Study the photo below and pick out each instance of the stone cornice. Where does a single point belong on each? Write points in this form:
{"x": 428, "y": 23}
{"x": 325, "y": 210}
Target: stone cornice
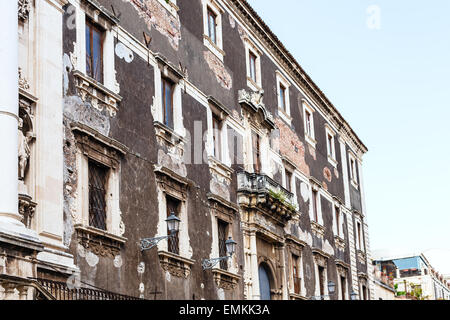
{"x": 258, "y": 26}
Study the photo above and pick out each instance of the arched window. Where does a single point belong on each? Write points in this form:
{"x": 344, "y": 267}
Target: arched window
{"x": 264, "y": 282}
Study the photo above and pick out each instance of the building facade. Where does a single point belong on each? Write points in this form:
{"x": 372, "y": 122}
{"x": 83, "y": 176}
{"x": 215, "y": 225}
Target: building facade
{"x": 414, "y": 277}
{"x": 127, "y": 112}
{"x": 384, "y": 281}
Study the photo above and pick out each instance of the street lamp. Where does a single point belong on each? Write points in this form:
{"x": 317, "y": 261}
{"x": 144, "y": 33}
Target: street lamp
{"x": 354, "y": 296}
{"x": 331, "y": 290}
{"x": 173, "y": 224}
{"x": 230, "y": 246}
{"x": 331, "y": 287}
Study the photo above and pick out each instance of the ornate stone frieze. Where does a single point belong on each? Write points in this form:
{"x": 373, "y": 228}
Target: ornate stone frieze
{"x": 222, "y": 208}
{"x": 254, "y": 103}
{"x": 176, "y": 265}
{"x": 99, "y": 242}
{"x": 340, "y": 243}
{"x": 96, "y": 94}
{"x": 171, "y": 183}
{"x": 225, "y": 280}
{"x": 24, "y": 7}
{"x": 362, "y": 257}
{"x": 23, "y": 82}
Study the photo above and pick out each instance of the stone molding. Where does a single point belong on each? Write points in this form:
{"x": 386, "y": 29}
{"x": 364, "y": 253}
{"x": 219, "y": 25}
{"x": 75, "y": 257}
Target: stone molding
{"x": 225, "y": 280}
{"x": 96, "y": 94}
{"x": 99, "y": 241}
{"x": 24, "y": 7}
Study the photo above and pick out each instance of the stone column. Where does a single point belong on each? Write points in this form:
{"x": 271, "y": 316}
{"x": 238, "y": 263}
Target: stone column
{"x": 9, "y": 109}
{"x": 255, "y": 271}
{"x": 12, "y": 230}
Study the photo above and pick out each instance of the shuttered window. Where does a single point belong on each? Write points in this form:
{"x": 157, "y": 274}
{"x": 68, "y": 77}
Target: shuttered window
{"x": 256, "y": 142}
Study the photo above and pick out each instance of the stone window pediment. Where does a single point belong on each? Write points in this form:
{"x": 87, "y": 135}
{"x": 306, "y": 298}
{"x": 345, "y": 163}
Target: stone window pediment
{"x": 97, "y": 146}
{"x": 222, "y": 208}
{"x": 256, "y": 109}
{"x": 171, "y": 183}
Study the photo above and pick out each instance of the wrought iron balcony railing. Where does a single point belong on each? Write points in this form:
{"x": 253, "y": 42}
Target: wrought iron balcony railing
{"x": 260, "y": 183}
{"x": 61, "y": 291}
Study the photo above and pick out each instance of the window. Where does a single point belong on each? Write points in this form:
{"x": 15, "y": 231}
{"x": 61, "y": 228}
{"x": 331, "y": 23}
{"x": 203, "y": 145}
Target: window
{"x": 308, "y": 122}
{"x": 331, "y": 148}
{"x": 253, "y": 60}
{"x": 364, "y": 292}
{"x": 94, "y": 51}
{"x": 296, "y": 273}
{"x": 217, "y": 141}
{"x": 343, "y": 287}
{"x": 337, "y": 213}
{"x": 212, "y": 26}
{"x": 321, "y": 281}
{"x": 353, "y": 171}
{"x": 98, "y": 176}
{"x": 173, "y": 206}
{"x": 256, "y": 143}
{"x": 288, "y": 175}
{"x": 222, "y": 236}
{"x": 283, "y": 97}
{"x": 315, "y": 207}
{"x": 167, "y": 101}
{"x": 308, "y": 114}
{"x": 282, "y": 94}
{"x": 360, "y": 236}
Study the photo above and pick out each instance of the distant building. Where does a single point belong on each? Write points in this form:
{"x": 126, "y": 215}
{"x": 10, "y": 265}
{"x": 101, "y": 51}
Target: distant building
{"x": 414, "y": 277}
{"x": 384, "y": 281}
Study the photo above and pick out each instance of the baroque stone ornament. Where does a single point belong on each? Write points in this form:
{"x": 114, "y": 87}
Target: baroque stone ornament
{"x": 27, "y": 209}
{"x": 23, "y": 83}
{"x": 24, "y": 149}
{"x": 24, "y": 7}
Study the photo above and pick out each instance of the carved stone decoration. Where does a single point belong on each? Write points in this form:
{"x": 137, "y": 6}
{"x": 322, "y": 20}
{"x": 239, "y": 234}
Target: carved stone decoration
{"x": 176, "y": 265}
{"x": 225, "y": 280}
{"x": 254, "y": 102}
{"x": 24, "y": 7}
{"x": 25, "y": 137}
{"x": 23, "y": 83}
{"x": 320, "y": 260}
{"x": 27, "y": 209}
{"x": 99, "y": 242}
{"x": 24, "y": 149}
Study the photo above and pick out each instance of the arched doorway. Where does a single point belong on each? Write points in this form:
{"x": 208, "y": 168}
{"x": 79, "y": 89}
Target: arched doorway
{"x": 264, "y": 282}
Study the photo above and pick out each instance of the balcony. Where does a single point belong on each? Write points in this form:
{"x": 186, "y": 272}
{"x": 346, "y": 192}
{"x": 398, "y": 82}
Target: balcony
{"x": 261, "y": 191}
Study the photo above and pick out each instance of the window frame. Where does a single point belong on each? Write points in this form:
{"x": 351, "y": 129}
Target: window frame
{"x": 251, "y": 49}
{"x": 284, "y": 112}
{"x": 166, "y": 82}
{"x": 309, "y": 125}
{"x": 94, "y": 27}
{"x": 331, "y": 145}
{"x": 106, "y": 172}
{"x": 217, "y": 133}
{"x": 353, "y": 169}
{"x": 256, "y": 151}
{"x": 216, "y": 47}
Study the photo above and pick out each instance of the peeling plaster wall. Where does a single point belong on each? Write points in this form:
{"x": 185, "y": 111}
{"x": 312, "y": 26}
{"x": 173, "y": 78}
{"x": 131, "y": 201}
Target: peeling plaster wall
{"x": 180, "y": 40}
